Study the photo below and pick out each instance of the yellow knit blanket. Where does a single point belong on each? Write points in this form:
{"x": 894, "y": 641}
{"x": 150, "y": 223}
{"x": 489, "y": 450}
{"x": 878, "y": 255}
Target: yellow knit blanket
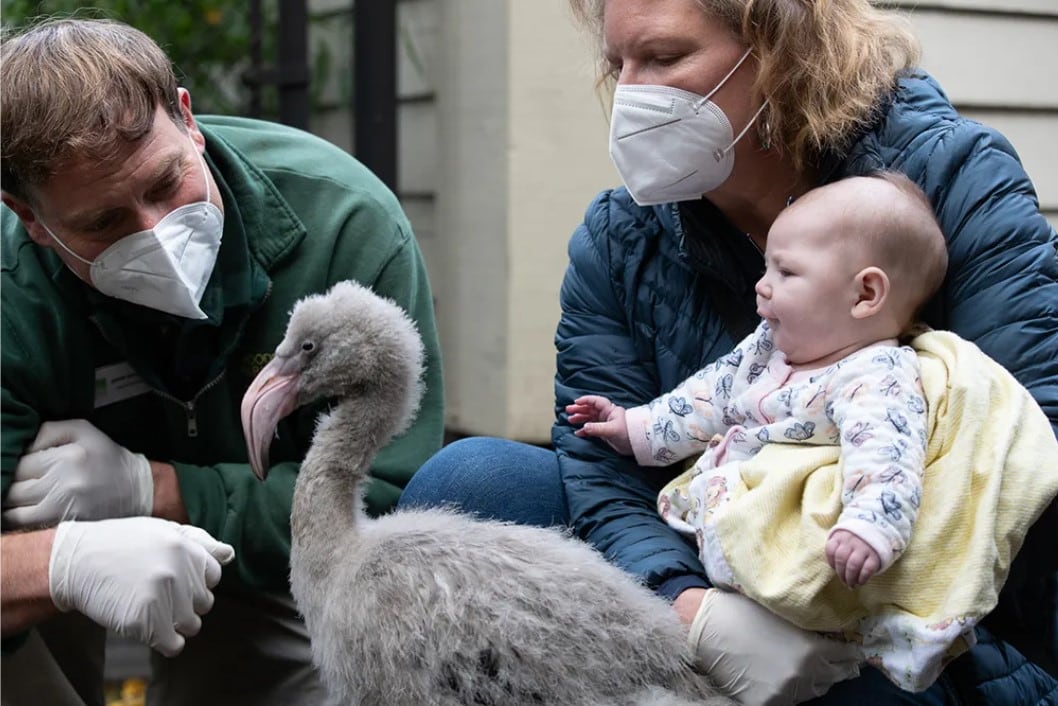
{"x": 991, "y": 469}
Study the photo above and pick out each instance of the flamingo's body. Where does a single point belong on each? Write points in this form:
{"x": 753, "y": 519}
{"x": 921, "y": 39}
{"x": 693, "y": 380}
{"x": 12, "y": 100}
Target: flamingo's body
{"x": 430, "y": 606}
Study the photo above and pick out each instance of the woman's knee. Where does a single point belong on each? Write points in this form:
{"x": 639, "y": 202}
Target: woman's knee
{"x": 492, "y": 478}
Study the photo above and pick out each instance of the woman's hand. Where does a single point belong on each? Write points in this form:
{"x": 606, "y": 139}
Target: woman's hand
{"x": 759, "y": 658}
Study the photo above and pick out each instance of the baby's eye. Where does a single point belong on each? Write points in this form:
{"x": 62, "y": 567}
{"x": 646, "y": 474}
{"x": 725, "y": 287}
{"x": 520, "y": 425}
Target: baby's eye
{"x": 785, "y": 272}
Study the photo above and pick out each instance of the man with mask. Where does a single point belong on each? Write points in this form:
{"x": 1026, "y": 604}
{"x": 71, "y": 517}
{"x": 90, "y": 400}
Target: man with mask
{"x": 150, "y": 259}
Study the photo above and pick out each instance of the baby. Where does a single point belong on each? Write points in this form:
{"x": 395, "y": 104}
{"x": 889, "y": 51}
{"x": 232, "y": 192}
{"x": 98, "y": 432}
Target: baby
{"x": 812, "y": 435}
{"x": 848, "y": 266}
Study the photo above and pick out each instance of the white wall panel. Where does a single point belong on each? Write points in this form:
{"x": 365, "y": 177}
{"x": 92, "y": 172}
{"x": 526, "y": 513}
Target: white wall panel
{"x": 991, "y": 60}
{"x": 417, "y": 47}
{"x": 1031, "y": 7}
{"x": 470, "y": 266}
{"x": 417, "y": 140}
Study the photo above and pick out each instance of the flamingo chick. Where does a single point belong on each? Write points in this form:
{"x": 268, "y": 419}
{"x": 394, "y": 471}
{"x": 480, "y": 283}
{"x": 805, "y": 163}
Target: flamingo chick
{"x": 432, "y": 606}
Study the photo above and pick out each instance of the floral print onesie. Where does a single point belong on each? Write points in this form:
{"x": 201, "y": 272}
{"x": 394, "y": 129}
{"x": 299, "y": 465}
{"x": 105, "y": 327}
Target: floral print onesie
{"x": 870, "y": 402}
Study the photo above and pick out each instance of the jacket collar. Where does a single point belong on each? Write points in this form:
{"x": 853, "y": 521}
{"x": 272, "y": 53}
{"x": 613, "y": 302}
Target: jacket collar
{"x": 272, "y": 229}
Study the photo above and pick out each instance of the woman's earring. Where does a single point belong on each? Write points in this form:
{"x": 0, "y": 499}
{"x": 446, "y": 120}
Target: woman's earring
{"x": 765, "y": 133}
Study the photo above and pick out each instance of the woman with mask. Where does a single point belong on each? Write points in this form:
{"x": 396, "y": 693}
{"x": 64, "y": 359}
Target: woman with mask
{"x": 724, "y": 111}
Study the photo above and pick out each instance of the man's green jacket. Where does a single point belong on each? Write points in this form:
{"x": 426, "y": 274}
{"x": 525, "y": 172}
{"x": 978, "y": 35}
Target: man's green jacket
{"x": 299, "y": 215}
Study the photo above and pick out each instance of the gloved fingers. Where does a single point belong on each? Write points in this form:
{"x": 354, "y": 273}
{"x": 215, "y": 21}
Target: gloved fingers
{"x": 168, "y": 641}
{"x": 50, "y": 510}
{"x": 213, "y": 572}
{"x": 220, "y": 551}
{"x": 34, "y": 465}
{"x": 41, "y": 465}
{"x": 840, "y": 668}
{"x": 203, "y": 600}
{"x": 829, "y": 676}
{"x": 205, "y": 574}
{"x": 156, "y": 622}
{"x": 821, "y": 676}
{"x": 25, "y": 493}
{"x": 838, "y": 652}
{"x": 187, "y": 622}
{"x": 183, "y": 593}
{"x": 60, "y": 433}
{"x": 837, "y": 661}
{"x": 28, "y": 516}
{"x": 202, "y": 572}
{"x": 39, "y": 497}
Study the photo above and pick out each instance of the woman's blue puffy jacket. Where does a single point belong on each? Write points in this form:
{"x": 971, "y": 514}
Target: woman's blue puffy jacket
{"x": 653, "y": 294}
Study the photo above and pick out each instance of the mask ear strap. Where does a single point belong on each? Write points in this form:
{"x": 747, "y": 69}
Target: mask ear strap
{"x": 730, "y": 73}
{"x": 719, "y": 154}
{"x": 202, "y": 159}
{"x": 62, "y": 244}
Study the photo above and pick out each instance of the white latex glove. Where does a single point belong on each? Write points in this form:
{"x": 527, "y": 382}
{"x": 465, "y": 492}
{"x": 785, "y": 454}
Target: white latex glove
{"x": 73, "y": 471}
{"x": 761, "y": 659}
{"x": 143, "y": 577}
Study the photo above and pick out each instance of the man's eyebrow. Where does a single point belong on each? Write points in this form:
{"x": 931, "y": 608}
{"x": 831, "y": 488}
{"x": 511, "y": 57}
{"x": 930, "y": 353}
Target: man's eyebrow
{"x": 164, "y": 170}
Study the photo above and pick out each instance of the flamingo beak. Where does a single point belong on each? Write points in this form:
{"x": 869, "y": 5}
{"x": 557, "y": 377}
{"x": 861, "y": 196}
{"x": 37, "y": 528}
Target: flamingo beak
{"x": 271, "y": 396}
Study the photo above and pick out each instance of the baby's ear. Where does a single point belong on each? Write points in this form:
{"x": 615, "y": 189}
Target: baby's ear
{"x": 872, "y": 291}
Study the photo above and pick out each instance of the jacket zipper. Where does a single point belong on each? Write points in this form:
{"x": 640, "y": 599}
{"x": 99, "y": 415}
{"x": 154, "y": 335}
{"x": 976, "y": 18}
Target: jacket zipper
{"x": 189, "y": 406}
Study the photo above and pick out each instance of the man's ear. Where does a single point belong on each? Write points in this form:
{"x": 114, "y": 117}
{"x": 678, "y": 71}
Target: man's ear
{"x": 872, "y": 291}
{"x": 29, "y": 219}
{"x": 184, "y": 98}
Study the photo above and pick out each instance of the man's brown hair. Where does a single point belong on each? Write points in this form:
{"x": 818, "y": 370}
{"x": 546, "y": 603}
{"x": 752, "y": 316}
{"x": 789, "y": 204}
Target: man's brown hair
{"x": 83, "y": 88}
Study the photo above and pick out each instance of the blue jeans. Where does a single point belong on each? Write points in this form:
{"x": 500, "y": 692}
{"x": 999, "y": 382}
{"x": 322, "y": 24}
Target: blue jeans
{"x": 506, "y": 480}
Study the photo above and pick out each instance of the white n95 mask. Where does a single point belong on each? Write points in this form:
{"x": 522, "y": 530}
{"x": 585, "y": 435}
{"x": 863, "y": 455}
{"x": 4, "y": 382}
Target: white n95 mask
{"x": 669, "y": 144}
{"x": 167, "y": 267}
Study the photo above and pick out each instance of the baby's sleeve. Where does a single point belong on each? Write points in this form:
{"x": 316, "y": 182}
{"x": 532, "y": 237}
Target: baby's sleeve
{"x": 681, "y": 423}
{"x": 877, "y": 403}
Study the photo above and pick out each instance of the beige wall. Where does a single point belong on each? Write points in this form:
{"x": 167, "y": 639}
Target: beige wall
{"x": 997, "y": 61}
{"x": 503, "y": 144}
{"x": 521, "y": 155}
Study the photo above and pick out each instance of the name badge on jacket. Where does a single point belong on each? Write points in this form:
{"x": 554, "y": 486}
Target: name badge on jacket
{"x": 117, "y": 382}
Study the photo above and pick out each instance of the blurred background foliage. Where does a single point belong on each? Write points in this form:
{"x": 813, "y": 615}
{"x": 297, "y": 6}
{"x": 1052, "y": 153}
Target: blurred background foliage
{"x": 209, "y": 41}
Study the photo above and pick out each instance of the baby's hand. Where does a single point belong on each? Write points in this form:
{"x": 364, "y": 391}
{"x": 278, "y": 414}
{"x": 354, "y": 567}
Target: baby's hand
{"x": 589, "y": 408}
{"x": 854, "y": 561}
{"x": 602, "y": 419}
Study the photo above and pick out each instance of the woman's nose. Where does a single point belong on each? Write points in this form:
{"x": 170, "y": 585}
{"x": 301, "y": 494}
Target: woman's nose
{"x": 628, "y": 76}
